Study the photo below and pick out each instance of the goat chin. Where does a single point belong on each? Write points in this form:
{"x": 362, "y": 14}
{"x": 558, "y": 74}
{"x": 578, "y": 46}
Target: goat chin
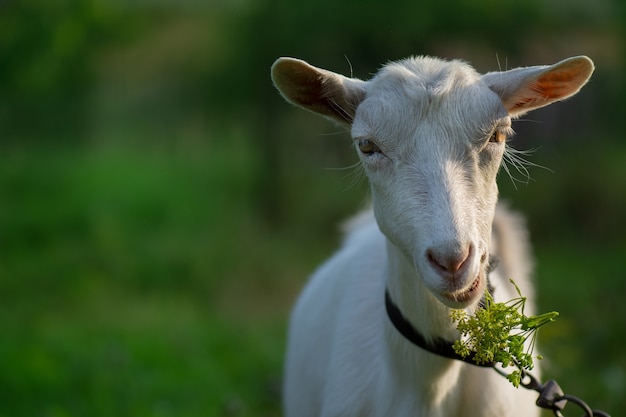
{"x": 430, "y": 135}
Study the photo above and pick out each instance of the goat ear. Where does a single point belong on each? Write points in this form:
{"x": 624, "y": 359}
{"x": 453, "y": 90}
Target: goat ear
{"x": 317, "y": 90}
{"x": 525, "y": 89}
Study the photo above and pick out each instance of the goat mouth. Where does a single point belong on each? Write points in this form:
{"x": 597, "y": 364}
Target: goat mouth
{"x": 467, "y": 295}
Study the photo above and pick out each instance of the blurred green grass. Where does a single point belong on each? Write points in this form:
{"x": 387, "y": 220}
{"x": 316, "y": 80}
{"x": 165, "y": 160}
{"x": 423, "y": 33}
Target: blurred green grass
{"x": 114, "y": 263}
{"x": 145, "y": 282}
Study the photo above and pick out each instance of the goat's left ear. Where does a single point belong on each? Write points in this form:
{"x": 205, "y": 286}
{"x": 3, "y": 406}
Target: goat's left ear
{"x": 525, "y": 89}
{"x": 318, "y": 90}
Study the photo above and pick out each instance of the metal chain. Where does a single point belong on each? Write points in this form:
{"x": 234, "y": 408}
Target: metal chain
{"x": 551, "y": 396}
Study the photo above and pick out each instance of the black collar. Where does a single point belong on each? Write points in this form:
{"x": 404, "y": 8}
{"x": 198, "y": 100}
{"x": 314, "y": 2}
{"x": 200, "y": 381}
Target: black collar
{"x": 438, "y": 346}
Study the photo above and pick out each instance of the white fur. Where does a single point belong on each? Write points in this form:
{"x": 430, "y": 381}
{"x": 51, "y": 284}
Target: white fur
{"x": 435, "y": 223}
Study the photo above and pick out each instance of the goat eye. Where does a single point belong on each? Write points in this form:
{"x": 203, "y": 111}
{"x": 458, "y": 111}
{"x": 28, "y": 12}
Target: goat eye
{"x": 498, "y": 136}
{"x": 368, "y": 147}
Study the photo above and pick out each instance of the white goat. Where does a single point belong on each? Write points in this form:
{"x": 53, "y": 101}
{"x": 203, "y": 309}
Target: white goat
{"x": 431, "y": 137}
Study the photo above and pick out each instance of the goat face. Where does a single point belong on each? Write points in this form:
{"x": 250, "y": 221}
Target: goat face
{"x": 431, "y": 136}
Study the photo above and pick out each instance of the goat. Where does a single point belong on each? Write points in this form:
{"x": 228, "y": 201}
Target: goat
{"x": 431, "y": 135}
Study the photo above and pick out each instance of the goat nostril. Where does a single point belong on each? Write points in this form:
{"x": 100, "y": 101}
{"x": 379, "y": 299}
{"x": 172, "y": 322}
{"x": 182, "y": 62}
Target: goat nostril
{"x": 433, "y": 260}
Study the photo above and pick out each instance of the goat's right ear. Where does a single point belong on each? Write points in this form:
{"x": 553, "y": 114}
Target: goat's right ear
{"x": 317, "y": 90}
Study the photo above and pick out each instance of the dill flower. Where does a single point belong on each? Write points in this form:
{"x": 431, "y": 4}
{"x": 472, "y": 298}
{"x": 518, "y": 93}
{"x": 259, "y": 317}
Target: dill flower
{"x": 498, "y": 333}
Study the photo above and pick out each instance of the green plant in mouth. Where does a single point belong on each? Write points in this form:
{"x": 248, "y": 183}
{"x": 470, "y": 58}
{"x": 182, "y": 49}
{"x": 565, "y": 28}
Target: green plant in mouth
{"x": 498, "y": 332}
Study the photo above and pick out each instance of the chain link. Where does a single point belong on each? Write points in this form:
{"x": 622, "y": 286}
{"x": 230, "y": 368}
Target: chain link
{"x": 551, "y": 396}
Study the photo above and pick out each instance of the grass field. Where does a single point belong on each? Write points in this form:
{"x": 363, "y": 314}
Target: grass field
{"x": 145, "y": 283}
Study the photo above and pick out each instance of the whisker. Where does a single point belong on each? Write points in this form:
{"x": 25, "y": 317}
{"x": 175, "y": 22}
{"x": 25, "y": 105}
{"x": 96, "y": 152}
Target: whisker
{"x": 350, "y": 65}
{"x": 344, "y": 113}
{"x": 528, "y": 121}
{"x": 336, "y": 133}
{"x": 355, "y": 174}
{"x": 516, "y": 159}
{"x": 355, "y": 165}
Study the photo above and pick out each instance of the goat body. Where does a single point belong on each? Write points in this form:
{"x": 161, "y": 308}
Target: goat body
{"x": 431, "y": 137}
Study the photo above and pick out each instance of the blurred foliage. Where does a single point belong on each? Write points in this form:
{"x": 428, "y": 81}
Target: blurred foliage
{"x": 161, "y": 206}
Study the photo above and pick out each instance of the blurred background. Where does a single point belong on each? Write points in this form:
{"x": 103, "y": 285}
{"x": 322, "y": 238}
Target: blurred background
{"x": 161, "y": 206}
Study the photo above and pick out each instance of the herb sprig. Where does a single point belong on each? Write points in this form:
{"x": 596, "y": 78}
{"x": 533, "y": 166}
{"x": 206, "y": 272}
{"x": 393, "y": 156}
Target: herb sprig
{"x": 498, "y": 333}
